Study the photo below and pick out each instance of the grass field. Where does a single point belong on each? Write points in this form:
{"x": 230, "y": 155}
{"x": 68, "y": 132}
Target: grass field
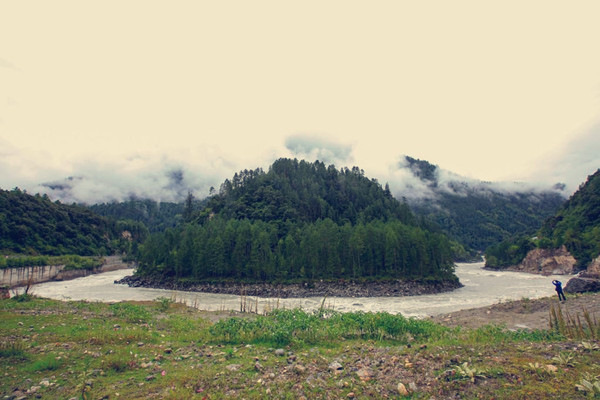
{"x": 79, "y": 350}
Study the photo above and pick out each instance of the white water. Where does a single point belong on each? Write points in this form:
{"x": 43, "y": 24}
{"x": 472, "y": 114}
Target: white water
{"x": 481, "y": 288}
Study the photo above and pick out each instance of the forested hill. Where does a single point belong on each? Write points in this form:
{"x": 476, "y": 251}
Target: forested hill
{"x": 35, "y": 225}
{"x": 479, "y": 214}
{"x": 576, "y": 225}
{"x": 299, "y": 221}
{"x": 300, "y": 191}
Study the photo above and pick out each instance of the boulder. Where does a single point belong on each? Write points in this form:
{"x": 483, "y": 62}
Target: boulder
{"x": 580, "y": 285}
{"x": 593, "y": 270}
{"x": 547, "y": 262}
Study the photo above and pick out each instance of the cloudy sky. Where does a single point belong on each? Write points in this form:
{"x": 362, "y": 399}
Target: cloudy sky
{"x": 151, "y": 98}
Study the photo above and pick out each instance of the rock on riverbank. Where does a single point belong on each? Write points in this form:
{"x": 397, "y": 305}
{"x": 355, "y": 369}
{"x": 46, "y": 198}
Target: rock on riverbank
{"x": 393, "y": 288}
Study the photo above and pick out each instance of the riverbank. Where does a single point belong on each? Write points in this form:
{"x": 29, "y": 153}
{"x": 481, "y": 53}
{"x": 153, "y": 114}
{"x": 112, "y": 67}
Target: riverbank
{"x": 391, "y": 288}
{"x": 29, "y": 275}
{"x": 526, "y": 313}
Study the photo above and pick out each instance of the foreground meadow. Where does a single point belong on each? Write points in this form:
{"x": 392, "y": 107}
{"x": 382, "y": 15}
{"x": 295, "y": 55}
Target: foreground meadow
{"x": 164, "y": 350}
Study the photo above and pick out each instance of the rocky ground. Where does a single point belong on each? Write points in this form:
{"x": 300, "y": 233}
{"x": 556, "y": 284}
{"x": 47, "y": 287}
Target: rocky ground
{"x": 307, "y": 289}
{"x": 146, "y": 350}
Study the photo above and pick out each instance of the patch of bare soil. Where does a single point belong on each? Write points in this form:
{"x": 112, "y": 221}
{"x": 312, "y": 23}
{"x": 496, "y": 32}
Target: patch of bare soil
{"x": 522, "y": 314}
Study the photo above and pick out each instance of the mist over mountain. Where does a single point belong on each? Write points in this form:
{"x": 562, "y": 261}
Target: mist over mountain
{"x": 473, "y": 212}
{"x": 575, "y": 227}
{"x": 477, "y": 214}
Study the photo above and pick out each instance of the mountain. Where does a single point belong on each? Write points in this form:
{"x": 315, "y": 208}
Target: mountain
{"x": 36, "y": 225}
{"x": 300, "y": 191}
{"x": 576, "y": 225}
{"x": 573, "y": 230}
{"x": 477, "y": 214}
{"x": 299, "y": 221}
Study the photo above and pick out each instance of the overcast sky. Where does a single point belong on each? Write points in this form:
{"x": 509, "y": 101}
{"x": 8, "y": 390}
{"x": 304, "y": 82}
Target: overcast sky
{"x": 144, "y": 96}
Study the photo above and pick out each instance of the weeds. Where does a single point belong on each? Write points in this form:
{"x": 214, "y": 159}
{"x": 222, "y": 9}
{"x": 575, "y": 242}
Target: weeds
{"x": 541, "y": 370}
{"x": 164, "y": 303}
{"x": 464, "y": 371}
{"x": 573, "y": 327}
{"x": 590, "y": 385}
{"x": 565, "y": 359}
{"x": 13, "y": 350}
{"x": 130, "y": 312}
{"x": 47, "y": 363}
{"x": 590, "y": 346}
{"x": 285, "y": 327}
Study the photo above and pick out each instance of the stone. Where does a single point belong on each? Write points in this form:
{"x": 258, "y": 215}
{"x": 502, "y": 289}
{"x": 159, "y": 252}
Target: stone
{"x": 280, "y": 352}
{"x": 593, "y": 270}
{"x": 547, "y": 262}
{"x": 581, "y": 285}
{"x": 299, "y": 369}
{"x": 335, "y": 366}
{"x": 233, "y": 367}
{"x": 551, "y": 368}
{"x": 364, "y": 374}
{"x": 402, "y": 389}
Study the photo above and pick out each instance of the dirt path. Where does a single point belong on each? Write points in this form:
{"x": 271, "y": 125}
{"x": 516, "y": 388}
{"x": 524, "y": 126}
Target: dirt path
{"x": 522, "y": 314}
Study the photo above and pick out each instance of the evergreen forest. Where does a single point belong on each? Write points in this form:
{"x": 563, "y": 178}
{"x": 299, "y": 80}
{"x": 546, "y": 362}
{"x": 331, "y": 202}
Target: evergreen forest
{"x": 34, "y": 225}
{"x": 477, "y": 214}
{"x": 299, "y": 221}
{"x": 576, "y": 225}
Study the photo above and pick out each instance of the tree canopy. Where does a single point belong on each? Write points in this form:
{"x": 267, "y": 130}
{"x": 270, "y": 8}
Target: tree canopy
{"x": 36, "y": 225}
{"x": 299, "y": 221}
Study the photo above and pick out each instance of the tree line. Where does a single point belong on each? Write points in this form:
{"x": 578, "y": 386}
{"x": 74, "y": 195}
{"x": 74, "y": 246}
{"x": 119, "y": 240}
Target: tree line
{"x": 260, "y": 251}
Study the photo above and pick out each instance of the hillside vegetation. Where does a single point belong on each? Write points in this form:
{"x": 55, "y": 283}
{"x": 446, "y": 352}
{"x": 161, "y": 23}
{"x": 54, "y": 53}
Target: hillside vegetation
{"x": 301, "y": 221}
{"x": 479, "y": 214}
{"x": 35, "y": 225}
{"x": 576, "y": 225}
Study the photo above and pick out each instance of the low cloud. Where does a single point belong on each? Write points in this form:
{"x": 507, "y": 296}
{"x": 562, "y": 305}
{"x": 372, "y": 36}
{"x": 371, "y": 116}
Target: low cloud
{"x": 7, "y": 64}
{"x": 405, "y": 183}
{"x": 312, "y": 147}
{"x": 574, "y": 162}
{"x": 160, "y": 177}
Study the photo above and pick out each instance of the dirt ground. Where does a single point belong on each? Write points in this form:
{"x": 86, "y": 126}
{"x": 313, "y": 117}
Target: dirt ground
{"x": 522, "y": 314}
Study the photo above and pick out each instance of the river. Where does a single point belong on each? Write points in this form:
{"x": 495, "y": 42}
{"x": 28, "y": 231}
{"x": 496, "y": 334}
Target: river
{"x": 481, "y": 288}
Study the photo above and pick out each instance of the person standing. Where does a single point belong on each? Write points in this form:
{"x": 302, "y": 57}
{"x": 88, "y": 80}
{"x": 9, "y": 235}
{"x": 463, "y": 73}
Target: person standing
{"x": 559, "y": 290}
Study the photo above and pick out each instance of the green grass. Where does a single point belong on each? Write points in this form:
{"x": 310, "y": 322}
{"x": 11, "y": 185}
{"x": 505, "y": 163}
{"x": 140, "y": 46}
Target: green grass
{"x": 166, "y": 350}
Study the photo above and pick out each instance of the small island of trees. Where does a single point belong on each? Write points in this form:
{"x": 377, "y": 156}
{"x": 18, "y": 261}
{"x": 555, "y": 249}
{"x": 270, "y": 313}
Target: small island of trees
{"x": 299, "y": 221}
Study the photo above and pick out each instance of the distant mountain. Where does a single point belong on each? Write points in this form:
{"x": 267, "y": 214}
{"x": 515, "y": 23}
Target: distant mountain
{"x": 477, "y": 214}
{"x": 156, "y": 216}
{"x": 576, "y": 226}
{"x": 35, "y": 225}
